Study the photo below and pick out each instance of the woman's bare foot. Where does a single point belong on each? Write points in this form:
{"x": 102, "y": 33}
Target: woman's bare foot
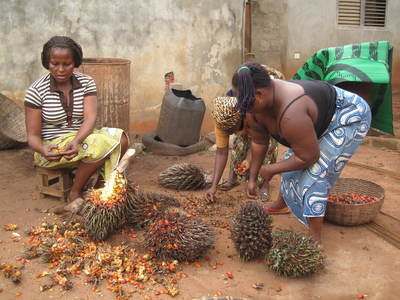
{"x": 73, "y": 195}
{"x": 278, "y": 204}
{"x": 316, "y": 227}
{"x": 264, "y": 192}
{"x": 228, "y": 184}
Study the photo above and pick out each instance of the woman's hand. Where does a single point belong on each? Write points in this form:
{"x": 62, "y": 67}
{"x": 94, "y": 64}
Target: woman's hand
{"x": 50, "y": 155}
{"x": 71, "y": 150}
{"x": 210, "y": 194}
{"x": 251, "y": 189}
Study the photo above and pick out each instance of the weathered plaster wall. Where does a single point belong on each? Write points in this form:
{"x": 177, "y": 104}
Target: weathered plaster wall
{"x": 283, "y": 28}
{"x": 312, "y": 26}
{"x": 268, "y": 32}
{"x": 200, "y": 41}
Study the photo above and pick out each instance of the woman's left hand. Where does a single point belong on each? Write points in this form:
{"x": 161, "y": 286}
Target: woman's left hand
{"x": 71, "y": 150}
{"x": 266, "y": 173}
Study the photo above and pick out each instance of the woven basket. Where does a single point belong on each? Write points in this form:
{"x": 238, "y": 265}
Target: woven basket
{"x": 12, "y": 123}
{"x": 355, "y": 214}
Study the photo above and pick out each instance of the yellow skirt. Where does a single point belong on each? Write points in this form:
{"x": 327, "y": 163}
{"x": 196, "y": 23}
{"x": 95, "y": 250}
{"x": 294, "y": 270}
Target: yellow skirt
{"x": 101, "y": 143}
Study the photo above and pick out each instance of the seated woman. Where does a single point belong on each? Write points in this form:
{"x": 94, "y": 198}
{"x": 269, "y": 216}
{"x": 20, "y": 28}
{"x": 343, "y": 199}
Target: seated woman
{"x": 60, "y": 112}
{"x": 321, "y": 124}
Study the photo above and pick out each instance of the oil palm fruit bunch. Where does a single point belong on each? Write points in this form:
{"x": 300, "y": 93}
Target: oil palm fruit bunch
{"x": 182, "y": 177}
{"x": 105, "y": 209}
{"x": 143, "y": 207}
{"x": 251, "y": 230}
{"x": 294, "y": 254}
{"x": 175, "y": 236}
{"x": 45, "y": 250}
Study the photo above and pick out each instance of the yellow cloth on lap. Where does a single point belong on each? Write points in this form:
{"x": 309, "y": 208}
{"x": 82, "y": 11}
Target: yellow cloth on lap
{"x": 101, "y": 143}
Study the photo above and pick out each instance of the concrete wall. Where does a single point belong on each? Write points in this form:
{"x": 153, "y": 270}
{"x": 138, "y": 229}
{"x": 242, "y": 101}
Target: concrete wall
{"x": 201, "y": 41}
{"x": 269, "y": 32}
{"x": 283, "y": 28}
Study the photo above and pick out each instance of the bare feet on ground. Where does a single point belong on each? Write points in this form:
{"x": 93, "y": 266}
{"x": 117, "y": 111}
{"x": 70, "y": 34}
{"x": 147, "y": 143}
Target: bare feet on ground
{"x": 73, "y": 196}
{"x": 278, "y": 204}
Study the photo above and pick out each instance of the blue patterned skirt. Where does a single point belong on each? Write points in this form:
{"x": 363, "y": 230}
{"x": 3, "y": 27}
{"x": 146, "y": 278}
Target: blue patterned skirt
{"x": 306, "y": 191}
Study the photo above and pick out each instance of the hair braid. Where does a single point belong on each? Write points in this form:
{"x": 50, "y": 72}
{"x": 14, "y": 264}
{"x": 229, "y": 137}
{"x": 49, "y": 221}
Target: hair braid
{"x": 246, "y": 80}
{"x": 62, "y": 42}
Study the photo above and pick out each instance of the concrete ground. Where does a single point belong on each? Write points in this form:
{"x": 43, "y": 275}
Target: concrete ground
{"x": 358, "y": 261}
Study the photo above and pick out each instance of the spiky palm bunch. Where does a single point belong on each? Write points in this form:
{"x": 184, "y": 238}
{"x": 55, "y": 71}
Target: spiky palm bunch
{"x": 179, "y": 237}
{"x": 143, "y": 207}
{"x": 251, "y": 230}
{"x": 294, "y": 254}
{"x": 182, "y": 177}
{"x": 105, "y": 209}
{"x": 45, "y": 250}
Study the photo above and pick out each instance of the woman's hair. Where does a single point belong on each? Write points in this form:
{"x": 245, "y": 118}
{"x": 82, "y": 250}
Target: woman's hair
{"x": 62, "y": 42}
{"x": 246, "y": 80}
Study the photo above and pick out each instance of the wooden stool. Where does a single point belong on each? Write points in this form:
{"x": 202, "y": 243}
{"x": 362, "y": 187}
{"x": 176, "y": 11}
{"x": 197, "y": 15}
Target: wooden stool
{"x": 54, "y": 182}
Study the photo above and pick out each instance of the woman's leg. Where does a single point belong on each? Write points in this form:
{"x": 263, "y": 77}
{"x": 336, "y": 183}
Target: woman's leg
{"x": 278, "y": 203}
{"x": 238, "y": 154}
{"x": 231, "y": 182}
{"x": 265, "y": 190}
{"x": 270, "y": 158}
{"x": 124, "y": 144}
{"x": 316, "y": 227}
{"x": 85, "y": 170}
{"x": 232, "y": 176}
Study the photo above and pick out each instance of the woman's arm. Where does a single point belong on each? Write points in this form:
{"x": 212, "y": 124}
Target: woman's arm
{"x": 33, "y": 123}
{"x": 259, "y": 147}
{"x": 89, "y": 121}
{"x": 221, "y": 157}
{"x": 89, "y": 118}
{"x": 298, "y": 130}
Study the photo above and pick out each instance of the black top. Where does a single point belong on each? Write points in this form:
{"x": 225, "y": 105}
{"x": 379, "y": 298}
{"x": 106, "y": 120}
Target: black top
{"x": 324, "y": 96}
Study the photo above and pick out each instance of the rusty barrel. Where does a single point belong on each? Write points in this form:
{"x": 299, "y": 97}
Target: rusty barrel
{"x": 112, "y": 77}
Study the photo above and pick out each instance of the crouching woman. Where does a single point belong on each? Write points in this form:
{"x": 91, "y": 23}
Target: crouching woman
{"x": 321, "y": 124}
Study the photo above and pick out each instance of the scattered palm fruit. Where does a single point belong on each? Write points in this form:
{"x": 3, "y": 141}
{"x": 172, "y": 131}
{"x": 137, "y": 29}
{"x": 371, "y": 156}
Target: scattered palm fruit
{"x": 70, "y": 252}
{"x": 105, "y": 209}
{"x": 177, "y": 236}
{"x": 12, "y": 272}
{"x": 251, "y": 230}
{"x": 352, "y": 198}
{"x": 182, "y": 177}
{"x": 294, "y": 254}
{"x": 10, "y": 227}
{"x": 143, "y": 207}
{"x": 241, "y": 169}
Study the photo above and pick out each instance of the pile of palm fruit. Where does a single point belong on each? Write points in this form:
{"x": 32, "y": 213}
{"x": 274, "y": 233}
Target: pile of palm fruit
{"x": 69, "y": 252}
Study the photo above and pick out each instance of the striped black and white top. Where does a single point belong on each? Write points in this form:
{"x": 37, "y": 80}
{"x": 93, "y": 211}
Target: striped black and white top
{"x": 57, "y": 117}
